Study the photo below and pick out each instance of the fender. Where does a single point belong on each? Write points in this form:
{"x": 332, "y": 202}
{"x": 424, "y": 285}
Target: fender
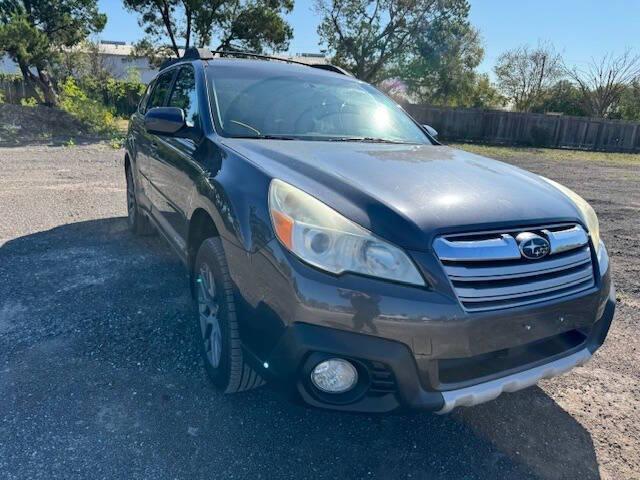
{"x": 238, "y": 208}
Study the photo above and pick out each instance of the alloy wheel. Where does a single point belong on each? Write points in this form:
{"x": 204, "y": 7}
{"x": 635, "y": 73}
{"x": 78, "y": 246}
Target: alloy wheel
{"x": 209, "y": 308}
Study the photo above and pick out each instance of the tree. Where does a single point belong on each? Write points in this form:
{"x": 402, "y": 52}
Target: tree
{"x": 523, "y": 74}
{"x": 483, "y": 94}
{"x": 629, "y": 108}
{"x": 155, "y": 54}
{"x": 603, "y": 82}
{"x": 372, "y": 37}
{"x": 84, "y": 61}
{"x": 235, "y": 24}
{"x": 562, "y": 97}
{"x": 439, "y": 68}
{"x": 34, "y": 32}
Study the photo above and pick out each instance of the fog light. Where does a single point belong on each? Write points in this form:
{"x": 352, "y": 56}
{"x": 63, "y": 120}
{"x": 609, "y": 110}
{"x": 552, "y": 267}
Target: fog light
{"x": 334, "y": 376}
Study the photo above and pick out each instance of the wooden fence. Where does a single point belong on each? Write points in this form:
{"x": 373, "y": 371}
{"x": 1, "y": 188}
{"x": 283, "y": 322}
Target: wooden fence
{"x": 531, "y": 129}
{"x": 13, "y": 89}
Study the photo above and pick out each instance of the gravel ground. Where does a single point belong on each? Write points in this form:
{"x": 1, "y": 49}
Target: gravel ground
{"x": 99, "y": 376}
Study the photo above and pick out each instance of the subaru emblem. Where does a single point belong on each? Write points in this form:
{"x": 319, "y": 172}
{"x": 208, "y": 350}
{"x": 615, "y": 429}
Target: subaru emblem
{"x": 532, "y": 246}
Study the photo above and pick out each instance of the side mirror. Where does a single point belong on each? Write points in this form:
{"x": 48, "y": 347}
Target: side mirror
{"x": 431, "y": 131}
{"x": 164, "y": 120}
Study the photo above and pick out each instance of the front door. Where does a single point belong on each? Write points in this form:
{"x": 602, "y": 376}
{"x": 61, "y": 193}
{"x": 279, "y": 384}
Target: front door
{"x": 149, "y": 143}
{"x": 176, "y": 170}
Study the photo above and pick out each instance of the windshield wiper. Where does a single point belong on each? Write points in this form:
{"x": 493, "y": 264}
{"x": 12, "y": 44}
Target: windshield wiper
{"x": 266, "y": 137}
{"x": 363, "y": 139}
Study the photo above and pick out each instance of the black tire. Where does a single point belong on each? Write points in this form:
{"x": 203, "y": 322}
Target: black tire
{"x": 138, "y": 221}
{"x": 216, "y": 298}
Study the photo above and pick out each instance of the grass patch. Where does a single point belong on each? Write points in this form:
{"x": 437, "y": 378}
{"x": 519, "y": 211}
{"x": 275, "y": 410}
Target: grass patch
{"x": 548, "y": 153}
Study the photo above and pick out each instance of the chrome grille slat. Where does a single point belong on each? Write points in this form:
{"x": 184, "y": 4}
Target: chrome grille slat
{"x": 534, "y": 288}
{"x": 489, "y": 279}
{"x": 488, "y": 306}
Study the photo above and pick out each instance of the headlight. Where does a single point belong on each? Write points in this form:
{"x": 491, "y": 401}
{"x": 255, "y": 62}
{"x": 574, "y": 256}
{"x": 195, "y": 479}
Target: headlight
{"x": 325, "y": 239}
{"x": 587, "y": 211}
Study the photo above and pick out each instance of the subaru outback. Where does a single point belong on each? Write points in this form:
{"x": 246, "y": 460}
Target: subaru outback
{"x": 339, "y": 252}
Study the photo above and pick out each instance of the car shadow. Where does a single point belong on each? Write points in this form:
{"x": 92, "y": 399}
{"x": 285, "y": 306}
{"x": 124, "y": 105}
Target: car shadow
{"x": 100, "y": 376}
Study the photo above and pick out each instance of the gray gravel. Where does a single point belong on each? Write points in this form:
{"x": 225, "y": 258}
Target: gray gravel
{"x": 99, "y": 376}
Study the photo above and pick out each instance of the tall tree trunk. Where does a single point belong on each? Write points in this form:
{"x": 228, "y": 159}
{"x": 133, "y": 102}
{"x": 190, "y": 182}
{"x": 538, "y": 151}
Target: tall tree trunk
{"x": 189, "y": 15}
{"x": 166, "y": 19}
{"x": 48, "y": 90}
{"x": 29, "y": 78}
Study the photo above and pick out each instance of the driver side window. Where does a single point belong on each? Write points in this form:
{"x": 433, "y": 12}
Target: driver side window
{"x": 160, "y": 90}
{"x": 184, "y": 96}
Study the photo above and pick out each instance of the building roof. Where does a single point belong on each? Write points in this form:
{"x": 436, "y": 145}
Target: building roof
{"x": 126, "y": 49}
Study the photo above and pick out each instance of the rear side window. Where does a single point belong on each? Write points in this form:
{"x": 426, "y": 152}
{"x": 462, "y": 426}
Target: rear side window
{"x": 184, "y": 96}
{"x": 160, "y": 90}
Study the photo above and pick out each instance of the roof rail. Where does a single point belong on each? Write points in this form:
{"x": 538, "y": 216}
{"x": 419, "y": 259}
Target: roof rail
{"x": 193, "y": 53}
{"x": 332, "y": 68}
{"x": 321, "y": 66}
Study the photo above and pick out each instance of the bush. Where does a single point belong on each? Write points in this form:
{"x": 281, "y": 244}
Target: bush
{"x": 28, "y": 102}
{"x": 99, "y": 118}
{"x": 122, "y": 96}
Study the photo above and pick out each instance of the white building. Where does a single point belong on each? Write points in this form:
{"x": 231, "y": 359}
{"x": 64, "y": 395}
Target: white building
{"x": 117, "y": 59}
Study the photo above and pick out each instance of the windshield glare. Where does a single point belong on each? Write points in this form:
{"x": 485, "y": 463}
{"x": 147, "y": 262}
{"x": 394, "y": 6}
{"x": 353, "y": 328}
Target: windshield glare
{"x": 258, "y": 102}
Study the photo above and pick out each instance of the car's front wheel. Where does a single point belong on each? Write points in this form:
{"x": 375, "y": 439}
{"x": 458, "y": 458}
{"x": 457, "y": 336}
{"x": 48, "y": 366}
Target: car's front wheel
{"x": 219, "y": 335}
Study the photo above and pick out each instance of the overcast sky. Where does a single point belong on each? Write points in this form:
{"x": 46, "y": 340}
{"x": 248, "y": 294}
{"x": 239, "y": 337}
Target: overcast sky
{"x": 580, "y": 29}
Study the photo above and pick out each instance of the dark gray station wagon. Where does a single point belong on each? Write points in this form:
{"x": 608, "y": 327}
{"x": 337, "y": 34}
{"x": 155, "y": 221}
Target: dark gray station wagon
{"x": 339, "y": 252}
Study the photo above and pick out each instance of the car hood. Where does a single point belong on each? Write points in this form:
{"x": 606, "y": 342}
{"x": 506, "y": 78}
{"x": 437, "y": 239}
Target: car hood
{"x": 410, "y": 193}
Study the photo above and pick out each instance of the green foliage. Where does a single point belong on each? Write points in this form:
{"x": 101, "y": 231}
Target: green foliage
{"x": 34, "y": 32}
{"x": 441, "y": 67}
{"x": 250, "y": 25}
{"x": 562, "y": 97}
{"x": 117, "y": 142}
{"x": 91, "y": 112}
{"x": 121, "y": 96}
{"x": 482, "y": 94}
{"x": 629, "y": 107}
{"x": 604, "y": 81}
{"x": 372, "y": 38}
{"x": 240, "y": 24}
{"x": 524, "y": 74}
{"x": 29, "y": 102}
{"x": 85, "y": 60}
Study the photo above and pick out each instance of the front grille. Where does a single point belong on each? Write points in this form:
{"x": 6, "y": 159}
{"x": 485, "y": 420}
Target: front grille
{"x": 488, "y": 272}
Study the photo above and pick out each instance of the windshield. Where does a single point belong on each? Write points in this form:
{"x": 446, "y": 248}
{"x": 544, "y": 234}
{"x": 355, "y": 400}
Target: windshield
{"x": 267, "y": 103}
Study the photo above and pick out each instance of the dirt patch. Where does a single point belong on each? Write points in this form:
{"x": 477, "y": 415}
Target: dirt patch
{"x": 40, "y": 125}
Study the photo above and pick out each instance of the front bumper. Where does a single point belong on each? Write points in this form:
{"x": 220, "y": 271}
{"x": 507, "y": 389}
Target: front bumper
{"x": 414, "y": 348}
{"x": 304, "y": 345}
